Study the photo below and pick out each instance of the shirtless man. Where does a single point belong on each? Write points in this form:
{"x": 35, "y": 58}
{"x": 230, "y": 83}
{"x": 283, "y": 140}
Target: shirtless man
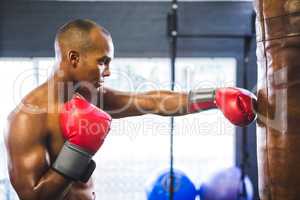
{"x": 37, "y": 137}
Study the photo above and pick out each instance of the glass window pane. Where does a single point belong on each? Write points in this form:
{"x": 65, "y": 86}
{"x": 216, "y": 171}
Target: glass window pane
{"x": 204, "y": 142}
{"x": 45, "y": 68}
{"x": 18, "y": 77}
{"x": 136, "y": 146}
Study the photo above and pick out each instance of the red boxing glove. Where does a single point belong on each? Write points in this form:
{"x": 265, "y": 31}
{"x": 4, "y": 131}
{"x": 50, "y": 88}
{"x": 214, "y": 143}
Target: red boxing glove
{"x": 235, "y": 103}
{"x": 84, "y": 126}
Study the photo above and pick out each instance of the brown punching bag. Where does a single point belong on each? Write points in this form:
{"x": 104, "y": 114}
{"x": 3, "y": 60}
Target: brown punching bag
{"x": 278, "y": 124}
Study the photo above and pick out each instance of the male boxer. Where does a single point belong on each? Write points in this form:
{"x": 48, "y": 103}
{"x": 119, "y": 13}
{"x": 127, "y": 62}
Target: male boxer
{"x": 58, "y": 127}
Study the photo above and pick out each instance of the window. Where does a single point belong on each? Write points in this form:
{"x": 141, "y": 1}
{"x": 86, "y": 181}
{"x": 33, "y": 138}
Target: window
{"x": 204, "y": 142}
{"x": 136, "y": 146}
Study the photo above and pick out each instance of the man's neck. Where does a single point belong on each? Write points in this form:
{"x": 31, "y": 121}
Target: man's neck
{"x": 60, "y": 87}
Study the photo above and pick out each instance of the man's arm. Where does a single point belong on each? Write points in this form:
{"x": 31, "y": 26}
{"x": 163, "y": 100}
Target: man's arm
{"x": 29, "y": 163}
{"x": 162, "y": 102}
{"x": 235, "y": 103}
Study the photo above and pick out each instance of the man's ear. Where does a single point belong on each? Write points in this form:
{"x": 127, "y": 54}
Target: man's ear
{"x": 73, "y": 57}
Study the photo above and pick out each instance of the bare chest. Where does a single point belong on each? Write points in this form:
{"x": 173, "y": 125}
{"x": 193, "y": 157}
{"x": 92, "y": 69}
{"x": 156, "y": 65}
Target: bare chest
{"x": 55, "y": 138}
{"x": 55, "y": 142}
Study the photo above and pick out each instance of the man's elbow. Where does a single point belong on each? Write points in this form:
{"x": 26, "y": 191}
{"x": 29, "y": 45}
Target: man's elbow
{"x": 27, "y": 191}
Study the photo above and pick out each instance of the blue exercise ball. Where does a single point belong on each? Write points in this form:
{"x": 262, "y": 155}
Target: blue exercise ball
{"x": 184, "y": 188}
{"x": 227, "y": 185}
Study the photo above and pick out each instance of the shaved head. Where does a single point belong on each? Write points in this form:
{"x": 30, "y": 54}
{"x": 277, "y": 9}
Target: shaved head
{"x": 83, "y": 51}
{"x": 76, "y": 35}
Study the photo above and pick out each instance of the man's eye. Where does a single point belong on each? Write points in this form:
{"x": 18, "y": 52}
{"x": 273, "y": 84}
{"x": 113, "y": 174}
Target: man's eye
{"x": 106, "y": 62}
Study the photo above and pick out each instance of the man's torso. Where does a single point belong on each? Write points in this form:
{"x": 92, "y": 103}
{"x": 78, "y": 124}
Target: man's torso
{"x": 53, "y": 138}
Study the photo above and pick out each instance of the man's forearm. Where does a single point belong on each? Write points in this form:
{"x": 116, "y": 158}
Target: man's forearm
{"x": 168, "y": 103}
{"x": 50, "y": 186}
{"x": 161, "y": 102}
{"x": 235, "y": 103}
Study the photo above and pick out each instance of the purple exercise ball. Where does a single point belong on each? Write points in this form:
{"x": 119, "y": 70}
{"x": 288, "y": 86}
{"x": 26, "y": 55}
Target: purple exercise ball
{"x": 227, "y": 185}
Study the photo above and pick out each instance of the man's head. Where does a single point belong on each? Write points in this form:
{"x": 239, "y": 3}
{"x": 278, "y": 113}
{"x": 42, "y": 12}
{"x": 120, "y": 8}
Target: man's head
{"x": 84, "y": 50}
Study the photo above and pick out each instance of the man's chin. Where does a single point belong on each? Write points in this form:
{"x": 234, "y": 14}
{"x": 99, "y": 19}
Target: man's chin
{"x": 97, "y": 85}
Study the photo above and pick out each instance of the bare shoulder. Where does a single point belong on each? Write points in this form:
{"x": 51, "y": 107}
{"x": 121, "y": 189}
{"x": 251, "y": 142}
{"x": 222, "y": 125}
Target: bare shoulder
{"x": 107, "y": 91}
{"x": 28, "y": 121}
{"x": 112, "y": 99}
{"x": 25, "y": 127}
{"x": 114, "y": 96}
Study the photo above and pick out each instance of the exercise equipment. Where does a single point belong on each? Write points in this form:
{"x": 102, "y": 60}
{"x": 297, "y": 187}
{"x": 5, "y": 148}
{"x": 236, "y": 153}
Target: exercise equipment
{"x": 227, "y": 184}
{"x": 184, "y": 188}
{"x": 278, "y": 135}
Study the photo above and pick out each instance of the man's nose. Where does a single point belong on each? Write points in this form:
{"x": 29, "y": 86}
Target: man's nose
{"x": 106, "y": 71}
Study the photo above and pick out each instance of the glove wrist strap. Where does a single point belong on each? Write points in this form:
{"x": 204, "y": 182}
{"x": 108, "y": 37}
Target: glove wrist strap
{"x": 201, "y": 99}
{"x": 74, "y": 163}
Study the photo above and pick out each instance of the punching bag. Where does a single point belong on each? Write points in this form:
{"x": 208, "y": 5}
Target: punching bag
{"x": 278, "y": 106}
